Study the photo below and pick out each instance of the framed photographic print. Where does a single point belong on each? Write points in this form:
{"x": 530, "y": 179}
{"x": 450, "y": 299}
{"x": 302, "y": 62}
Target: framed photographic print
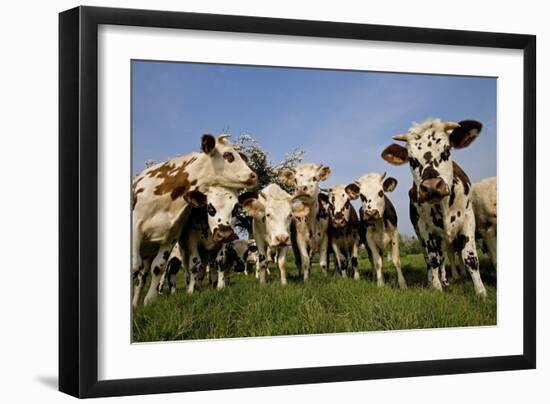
{"x": 251, "y": 201}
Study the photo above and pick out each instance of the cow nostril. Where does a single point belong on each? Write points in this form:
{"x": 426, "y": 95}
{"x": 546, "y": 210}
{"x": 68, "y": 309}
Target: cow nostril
{"x": 423, "y": 188}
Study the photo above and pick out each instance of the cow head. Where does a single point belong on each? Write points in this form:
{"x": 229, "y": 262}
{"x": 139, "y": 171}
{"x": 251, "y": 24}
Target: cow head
{"x": 275, "y": 208}
{"x": 220, "y": 210}
{"x": 339, "y": 205}
{"x": 428, "y": 151}
{"x": 371, "y": 188}
{"x": 305, "y": 179}
{"x": 227, "y": 166}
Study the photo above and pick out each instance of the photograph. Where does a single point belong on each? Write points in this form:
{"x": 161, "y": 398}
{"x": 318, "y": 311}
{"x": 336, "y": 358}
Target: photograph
{"x": 273, "y": 201}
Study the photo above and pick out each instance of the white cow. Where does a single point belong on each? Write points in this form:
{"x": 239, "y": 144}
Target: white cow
{"x": 379, "y": 220}
{"x": 440, "y": 197}
{"x": 311, "y": 230}
{"x": 162, "y": 194}
{"x": 484, "y": 201}
{"x": 272, "y": 214}
{"x": 343, "y": 231}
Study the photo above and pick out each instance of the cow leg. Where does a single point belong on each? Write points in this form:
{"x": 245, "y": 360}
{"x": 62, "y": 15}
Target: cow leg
{"x": 281, "y": 262}
{"x": 340, "y": 258}
{"x": 471, "y": 261}
{"x": 173, "y": 268}
{"x": 376, "y": 258}
{"x": 452, "y": 262}
{"x": 304, "y": 258}
{"x": 221, "y": 279}
{"x": 355, "y": 261}
{"x": 195, "y": 267}
{"x": 158, "y": 266}
{"x": 140, "y": 278}
{"x": 397, "y": 260}
{"x": 323, "y": 251}
{"x": 490, "y": 238}
{"x": 435, "y": 258}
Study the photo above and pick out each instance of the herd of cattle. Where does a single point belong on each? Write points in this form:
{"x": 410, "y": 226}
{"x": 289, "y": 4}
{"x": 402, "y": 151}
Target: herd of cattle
{"x": 184, "y": 211}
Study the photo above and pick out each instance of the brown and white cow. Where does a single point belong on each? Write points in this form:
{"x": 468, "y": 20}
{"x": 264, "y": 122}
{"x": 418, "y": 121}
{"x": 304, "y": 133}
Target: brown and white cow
{"x": 440, "y": 198}
{"x": 379, "y": 220}
{"x": 161, "y": 196}
{"x": 311, "y": 230}
{"x": 343, "y": 230}
{"x": 272, "y": 213}
{"x": 484, "y": 201}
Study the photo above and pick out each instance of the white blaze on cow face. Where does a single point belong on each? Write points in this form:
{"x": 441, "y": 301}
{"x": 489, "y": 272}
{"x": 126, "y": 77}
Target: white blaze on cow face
{"x": 220, "y": 205}
{"x": 428, "y": 151}
{"x": 371, "y": 188}
{"x": 275, "y": 208}
{"x": 228, "y": 166}
{"x": 340, "y": 205}
{"x": 305, "y": 179}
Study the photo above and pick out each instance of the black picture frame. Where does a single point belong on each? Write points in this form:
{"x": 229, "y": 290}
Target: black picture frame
{"x": 78, "y": 201}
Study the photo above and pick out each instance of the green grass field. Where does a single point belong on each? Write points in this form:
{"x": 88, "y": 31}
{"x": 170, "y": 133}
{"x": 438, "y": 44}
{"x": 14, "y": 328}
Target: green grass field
{"x": 326, "y": 304}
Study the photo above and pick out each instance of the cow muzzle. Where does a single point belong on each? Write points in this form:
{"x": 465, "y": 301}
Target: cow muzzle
{"x": 251, "y": 180}
{"x": 339, "y": 220}
{"x": 223, "y": 234}
{"x": 280, "y": 240}
{"x": 371, "y": 214}
{"x": 433, "y": 190}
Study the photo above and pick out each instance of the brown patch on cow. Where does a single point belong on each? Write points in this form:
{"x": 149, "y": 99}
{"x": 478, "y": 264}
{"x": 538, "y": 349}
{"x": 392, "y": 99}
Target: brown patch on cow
{"x": 460, "y": 242}
{"x": 135, "y": 197}
{"x": 462, "y": 177}
{"x": 175, "y": 179}
{"x": 390, "y": 215}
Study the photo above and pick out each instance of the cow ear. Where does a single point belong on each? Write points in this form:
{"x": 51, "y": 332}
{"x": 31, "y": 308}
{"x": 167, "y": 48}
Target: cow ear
{"x": 195, "y": 198}
{"x": 287, "y": 176}
{"x": 253, "y": 208}
{"x": 208, "y": 143}
{"x": 323, "y": 200}
{"x": 300, "y": 209}
{"x": 353, "y": 191}
{"x": 389, "y": 184}
{"x": 247, "y": 195}
{"x": 395, "y": 154}
{"x": 466, "y": 133}
{"x": 324, "y": 173}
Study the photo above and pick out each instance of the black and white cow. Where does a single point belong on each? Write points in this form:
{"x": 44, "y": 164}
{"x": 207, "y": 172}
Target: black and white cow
{"x": 233, "y": 256}
{"x": 440, "y": 198}
{"x": 311, "y": 235}
{"x": 198, "y": 244}
{"x": 379, "y": 220}
{"x": 343, "y": 229}
{"x": 272, "y": 213}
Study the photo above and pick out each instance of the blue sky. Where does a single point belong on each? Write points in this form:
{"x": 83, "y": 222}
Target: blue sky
{"x": 340, "y": 118}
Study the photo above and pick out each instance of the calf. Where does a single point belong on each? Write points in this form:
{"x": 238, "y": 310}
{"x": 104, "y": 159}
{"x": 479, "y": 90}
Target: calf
{"x": 161, "y": 197}
{"x": 310, "y": 230}
{"x": 484, "y": 201}
{"x": 233, "y": 256}
{"x": 343, "y": 229}
{"x": 440, "y": 198}
{"x": 272, "y": 214}
{"x": 379, "y": 221}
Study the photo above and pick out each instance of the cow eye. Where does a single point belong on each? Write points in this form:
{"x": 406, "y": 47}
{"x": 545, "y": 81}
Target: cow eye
{"x": 211, "y": 209}
{"x": 380, "y": 194}
{"x": 363, "y": 198}
{"x": 229, "y": 157}
{"x": 314, "y": 178}
{"x": 268, "y": 215}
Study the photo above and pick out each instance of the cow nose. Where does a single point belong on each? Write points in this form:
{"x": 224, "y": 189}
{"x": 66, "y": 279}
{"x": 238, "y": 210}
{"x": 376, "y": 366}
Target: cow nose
{"x": 433, "y": 189}
{"x": 281, "y": 238}
{"x": 339, "y": 216}
{"x": 372, "y": 214}
{"x": 223, "y": 233}
{"x": 252, "y": 178}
